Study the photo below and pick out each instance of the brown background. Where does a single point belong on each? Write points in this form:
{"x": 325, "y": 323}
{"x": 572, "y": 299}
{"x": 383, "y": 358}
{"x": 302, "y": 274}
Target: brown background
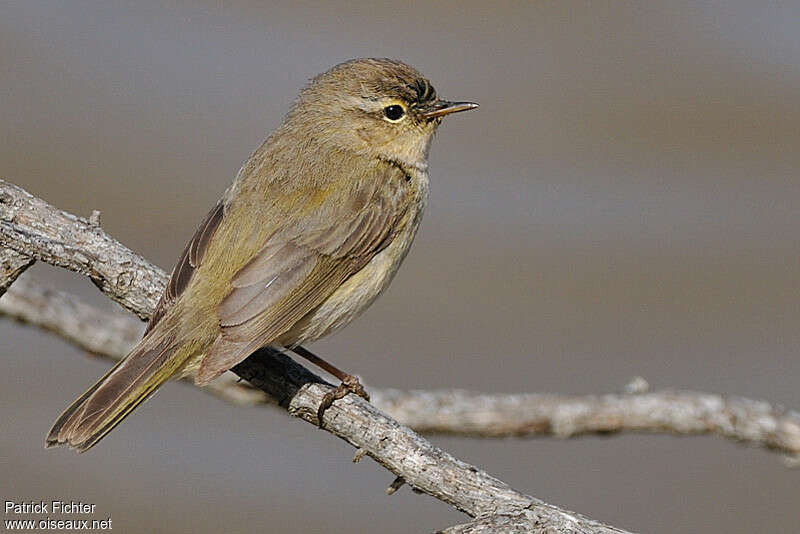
{"x": 625, "y": 202}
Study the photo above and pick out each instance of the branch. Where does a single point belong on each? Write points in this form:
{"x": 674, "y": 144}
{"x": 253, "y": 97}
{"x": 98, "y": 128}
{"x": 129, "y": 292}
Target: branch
{"x": 670, "y": 411}
{"x": 106, "y": 333}
{"x": 112, "y": 334}
{"x": 12, "y": 264}
{"x": 505, "y": 523}
{"x": 37, "y": 230}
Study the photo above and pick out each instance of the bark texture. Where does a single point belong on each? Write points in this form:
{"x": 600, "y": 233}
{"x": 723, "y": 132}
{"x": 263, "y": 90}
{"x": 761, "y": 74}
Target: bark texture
{"x": 31, "y": 229}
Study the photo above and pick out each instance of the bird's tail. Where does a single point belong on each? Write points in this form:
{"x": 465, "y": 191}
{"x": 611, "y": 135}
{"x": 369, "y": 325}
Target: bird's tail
{"x": 129, "y": 383}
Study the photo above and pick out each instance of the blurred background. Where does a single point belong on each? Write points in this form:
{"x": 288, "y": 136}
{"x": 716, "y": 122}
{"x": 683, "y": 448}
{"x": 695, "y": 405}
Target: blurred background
{"x": 624, "y": 202}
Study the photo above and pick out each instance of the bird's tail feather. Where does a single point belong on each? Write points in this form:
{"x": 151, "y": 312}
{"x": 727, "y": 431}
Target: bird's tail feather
{"x": 129, "y": 383}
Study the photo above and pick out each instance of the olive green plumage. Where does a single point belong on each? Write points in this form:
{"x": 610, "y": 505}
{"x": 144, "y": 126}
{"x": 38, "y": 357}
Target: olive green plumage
{"x": 312, "y": 229}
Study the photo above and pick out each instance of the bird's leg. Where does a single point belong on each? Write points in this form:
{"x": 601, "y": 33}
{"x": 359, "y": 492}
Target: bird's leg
{"x": 350, "y": 383}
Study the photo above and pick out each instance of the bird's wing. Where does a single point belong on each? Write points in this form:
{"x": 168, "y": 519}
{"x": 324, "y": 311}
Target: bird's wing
{"x": 303, "y": 262}
{"x": 148, "y": 365}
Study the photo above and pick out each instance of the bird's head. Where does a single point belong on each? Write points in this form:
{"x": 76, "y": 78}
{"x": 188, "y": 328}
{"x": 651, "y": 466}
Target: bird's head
{"x": 379, "y": 108}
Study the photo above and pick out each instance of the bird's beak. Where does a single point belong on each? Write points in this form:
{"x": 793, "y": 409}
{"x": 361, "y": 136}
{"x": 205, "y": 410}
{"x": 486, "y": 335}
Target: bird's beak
{"x": 440, "y": 108}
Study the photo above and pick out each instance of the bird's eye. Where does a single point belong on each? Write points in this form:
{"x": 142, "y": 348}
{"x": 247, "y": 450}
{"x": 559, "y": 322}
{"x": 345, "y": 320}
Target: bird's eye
{"x": 394, "y": 112}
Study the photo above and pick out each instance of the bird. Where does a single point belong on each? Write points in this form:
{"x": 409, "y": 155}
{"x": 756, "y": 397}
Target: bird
{"x": 313, "y": 228}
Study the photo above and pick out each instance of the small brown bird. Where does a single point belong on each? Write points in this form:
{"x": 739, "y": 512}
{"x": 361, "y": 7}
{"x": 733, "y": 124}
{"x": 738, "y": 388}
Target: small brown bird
{"x": 312, "y": 230}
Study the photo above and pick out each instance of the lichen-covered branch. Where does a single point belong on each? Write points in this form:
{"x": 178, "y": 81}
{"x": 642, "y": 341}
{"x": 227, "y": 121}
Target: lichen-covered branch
{"x": 37, "y": 230}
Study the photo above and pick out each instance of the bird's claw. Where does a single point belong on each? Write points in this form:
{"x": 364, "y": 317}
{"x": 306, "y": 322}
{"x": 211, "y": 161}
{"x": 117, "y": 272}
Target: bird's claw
{"x": 350, "y": 384}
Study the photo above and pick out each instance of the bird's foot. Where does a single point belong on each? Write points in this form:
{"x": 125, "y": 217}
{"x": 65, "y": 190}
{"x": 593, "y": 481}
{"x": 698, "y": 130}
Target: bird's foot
{"x": 350, "y": 384}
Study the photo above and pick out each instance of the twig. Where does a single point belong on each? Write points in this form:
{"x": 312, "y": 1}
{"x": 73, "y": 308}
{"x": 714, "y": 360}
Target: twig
{"x": 667, "y": 411}
{"x": 112, "y": 333}
{"x": 35, "y": 229}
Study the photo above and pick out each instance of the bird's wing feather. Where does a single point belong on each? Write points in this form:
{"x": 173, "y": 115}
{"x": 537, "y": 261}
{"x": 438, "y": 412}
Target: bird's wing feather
{"x": 301, "y": 265}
